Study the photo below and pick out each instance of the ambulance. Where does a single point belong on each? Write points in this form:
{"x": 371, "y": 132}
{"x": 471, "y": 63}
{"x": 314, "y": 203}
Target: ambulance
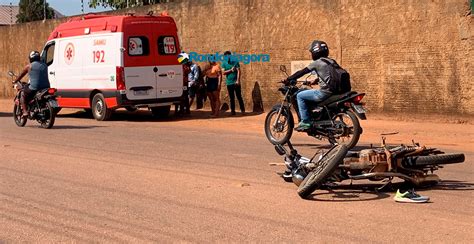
{"x": 101, "y": 63}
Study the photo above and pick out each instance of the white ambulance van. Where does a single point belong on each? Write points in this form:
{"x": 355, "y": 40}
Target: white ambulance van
{"x": 102, "y": 63}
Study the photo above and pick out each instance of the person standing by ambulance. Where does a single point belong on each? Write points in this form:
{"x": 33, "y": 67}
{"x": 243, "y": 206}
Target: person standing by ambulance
{"x": 193, "y": 77}
{"x": 183, "y": 107}
{"x": 231, "y": 69}
{"x": 213, "y": 75}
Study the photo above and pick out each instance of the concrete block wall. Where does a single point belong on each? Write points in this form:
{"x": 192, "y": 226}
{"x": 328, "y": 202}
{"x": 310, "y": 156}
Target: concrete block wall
{"x": 408, "y": 56}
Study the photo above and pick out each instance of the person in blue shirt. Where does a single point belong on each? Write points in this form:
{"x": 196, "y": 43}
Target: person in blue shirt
{"x": 38, "y": 73}
{"x": 231, "y": 69}
{"x": 193, "y": 77}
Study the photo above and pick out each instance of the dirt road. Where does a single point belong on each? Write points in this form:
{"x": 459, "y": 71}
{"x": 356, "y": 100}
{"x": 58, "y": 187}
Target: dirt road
{"x": 134, "y": 179}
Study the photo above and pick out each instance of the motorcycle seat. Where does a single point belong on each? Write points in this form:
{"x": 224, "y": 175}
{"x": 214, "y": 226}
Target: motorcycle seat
{"x": 41, "y": 93}
{"x": 335, "y": 98}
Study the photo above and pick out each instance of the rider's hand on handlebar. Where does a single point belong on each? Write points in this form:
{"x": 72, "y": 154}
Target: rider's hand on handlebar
{"x": 288, "y": 82}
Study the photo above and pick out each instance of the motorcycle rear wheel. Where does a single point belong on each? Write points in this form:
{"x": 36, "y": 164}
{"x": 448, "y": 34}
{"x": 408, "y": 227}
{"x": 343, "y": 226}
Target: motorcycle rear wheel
{"x": 439, "y": 159}
{"x": 49, "y": 117}
{"x": 18, "y": 116}
{"x": 324, "y": 168}
{"x": 354, "y": 133}
{"x": 279, "y": 132}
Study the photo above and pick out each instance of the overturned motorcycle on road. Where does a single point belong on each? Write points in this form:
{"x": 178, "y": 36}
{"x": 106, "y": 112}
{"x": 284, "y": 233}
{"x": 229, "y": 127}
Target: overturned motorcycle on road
{"x": 415, "y": 164}
{"x": 41, "y": 108}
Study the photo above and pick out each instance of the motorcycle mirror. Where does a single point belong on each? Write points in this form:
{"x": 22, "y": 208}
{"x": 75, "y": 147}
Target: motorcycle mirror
{"x": 283, "y": 68}
{"x": 10, "y": 73}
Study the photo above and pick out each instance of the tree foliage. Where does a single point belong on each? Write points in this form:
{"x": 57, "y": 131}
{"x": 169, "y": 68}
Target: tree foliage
{"x": 119, "y": 4}
{"x": 32, "y": 10}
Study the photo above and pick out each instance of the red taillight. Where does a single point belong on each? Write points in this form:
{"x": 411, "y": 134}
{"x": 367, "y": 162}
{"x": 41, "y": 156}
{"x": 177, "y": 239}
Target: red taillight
{"x": 358, "y": 98}
{"x": 120, "y": 78}
{"x": 52, "y": 91}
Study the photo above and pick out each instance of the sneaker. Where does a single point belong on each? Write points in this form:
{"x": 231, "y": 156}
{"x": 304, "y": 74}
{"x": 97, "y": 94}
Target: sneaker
{"x": 410, "y": 197}
{"x": 302, "y": 126}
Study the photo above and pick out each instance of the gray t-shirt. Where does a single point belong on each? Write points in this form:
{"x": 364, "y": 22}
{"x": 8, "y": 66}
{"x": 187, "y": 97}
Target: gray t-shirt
{"x": 38, "y": 76}
{"x": 323, "y": 71}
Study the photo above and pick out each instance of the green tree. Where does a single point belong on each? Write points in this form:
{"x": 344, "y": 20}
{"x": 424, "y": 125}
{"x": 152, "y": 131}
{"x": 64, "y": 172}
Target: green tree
{"x": 119, "y": 4}
{"x": 32, "y": 10}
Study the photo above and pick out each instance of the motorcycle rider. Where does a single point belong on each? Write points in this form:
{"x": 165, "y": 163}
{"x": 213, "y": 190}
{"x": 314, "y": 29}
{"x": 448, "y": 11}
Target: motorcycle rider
{"x": 38, "y": 73}
{"x": 318, "y": 50}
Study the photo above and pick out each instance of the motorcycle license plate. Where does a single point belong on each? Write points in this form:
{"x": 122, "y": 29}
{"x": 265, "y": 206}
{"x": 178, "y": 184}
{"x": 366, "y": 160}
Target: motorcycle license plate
{"x": 53, "y": 103}
{"x": 359, "y": 109}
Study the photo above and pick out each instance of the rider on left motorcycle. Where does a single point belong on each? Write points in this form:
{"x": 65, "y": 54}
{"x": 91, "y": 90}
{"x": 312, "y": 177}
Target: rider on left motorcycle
{"x": 318, "y": 49}
{"x": 38, "y": 73}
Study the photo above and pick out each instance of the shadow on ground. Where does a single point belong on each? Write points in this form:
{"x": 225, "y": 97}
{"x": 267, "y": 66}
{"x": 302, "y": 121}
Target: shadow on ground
{"x": 75, "y": 127}
{"x": 376, "y": 191}
{"x": 350, "y": 193}
{"x": 452, "y": 185}
{"x": 2, "y": 114}
{"x": 146, "y": 116}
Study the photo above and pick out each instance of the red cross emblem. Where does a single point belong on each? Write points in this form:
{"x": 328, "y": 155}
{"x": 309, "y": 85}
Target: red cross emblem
{"x": 69, "y": 53}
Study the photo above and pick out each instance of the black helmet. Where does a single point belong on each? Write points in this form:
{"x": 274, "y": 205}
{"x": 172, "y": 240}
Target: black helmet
{"x": 319, "y": 49}
{"x": 34, "y": 56}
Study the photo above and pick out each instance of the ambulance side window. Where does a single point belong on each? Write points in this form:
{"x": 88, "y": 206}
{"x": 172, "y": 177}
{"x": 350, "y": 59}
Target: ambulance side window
{"x": 48, "y": 55}
{"x": 166, "y": 45}
{"x": 138, "y": 46}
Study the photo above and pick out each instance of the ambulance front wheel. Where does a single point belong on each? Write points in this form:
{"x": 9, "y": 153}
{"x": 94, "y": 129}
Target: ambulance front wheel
{"x": 99, "y": 108}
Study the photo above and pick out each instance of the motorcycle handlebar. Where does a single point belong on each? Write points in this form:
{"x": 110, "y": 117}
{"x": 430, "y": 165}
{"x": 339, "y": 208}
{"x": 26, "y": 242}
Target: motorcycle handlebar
{"x": 293, "y": 82}
{"x": 18, "y": 84}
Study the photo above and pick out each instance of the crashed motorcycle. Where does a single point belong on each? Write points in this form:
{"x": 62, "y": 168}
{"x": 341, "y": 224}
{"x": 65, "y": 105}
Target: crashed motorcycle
{"x": 41, "y": 108}
{"x": 335, "y": 119}
{"x": 413, "y": 163}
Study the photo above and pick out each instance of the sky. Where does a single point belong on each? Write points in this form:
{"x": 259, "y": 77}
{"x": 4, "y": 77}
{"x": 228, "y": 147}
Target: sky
{"x": 65, "y": 7}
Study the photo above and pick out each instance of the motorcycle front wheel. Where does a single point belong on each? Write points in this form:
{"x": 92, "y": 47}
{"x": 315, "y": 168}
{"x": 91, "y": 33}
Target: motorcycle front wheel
{"x": 48, "y": 116}
{"x": 348, "y": 129}
{"x": 18, "y": 116}
{"x": 324, "y": 168}
{"x": 279, "y": 127}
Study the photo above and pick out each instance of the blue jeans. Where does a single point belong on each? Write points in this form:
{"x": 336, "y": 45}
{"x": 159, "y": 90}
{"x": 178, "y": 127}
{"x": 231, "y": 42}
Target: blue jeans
{"x": 307, "y": 97}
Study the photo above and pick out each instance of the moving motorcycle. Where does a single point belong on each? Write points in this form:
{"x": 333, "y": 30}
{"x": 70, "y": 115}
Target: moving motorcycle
{"x": 41, "y": 108}
{"x": 335, "y": 119}
{"x": 413, "y": 163}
